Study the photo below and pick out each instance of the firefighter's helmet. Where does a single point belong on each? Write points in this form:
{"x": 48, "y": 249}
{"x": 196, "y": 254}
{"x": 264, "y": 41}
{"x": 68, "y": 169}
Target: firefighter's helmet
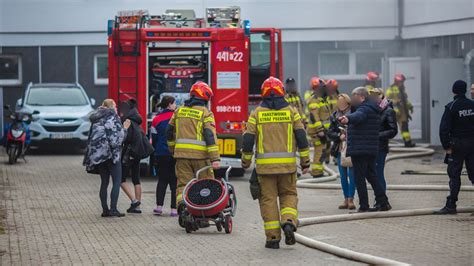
{"x": 372, "y": 76}
{"x": 272, "y": 86}
{"x": 399, "y": 78}
{"x": 201, "y": 90}
{"x": 316, "y": 83}
{"x": 332, "y": 84}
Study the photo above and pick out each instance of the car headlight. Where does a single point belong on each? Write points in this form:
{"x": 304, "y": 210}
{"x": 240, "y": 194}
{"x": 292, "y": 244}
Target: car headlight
{"x": 16, "y": 133}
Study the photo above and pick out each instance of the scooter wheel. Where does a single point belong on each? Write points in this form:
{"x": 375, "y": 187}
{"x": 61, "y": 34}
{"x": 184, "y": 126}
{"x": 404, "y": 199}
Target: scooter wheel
{"x": 181, "y": 221}
{"x": 219, "y": 226}
{"x": 228, "y": 224}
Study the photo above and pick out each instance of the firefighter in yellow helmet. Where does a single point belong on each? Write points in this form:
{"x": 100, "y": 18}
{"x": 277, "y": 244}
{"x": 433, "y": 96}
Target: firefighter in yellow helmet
{"x": 402, "y": 106}
{"x": 292, "y": 96}
{"x": 320, "y": 112}
{"x": 191, "y": 136}
{"x": 275, "y": 128}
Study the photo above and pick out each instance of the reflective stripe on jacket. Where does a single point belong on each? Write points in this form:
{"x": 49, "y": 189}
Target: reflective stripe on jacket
{"x": 279, "y": 134}
{"x": 194, "y": 134}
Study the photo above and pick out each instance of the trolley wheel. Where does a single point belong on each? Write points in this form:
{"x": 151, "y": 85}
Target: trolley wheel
{"x": 228, "y": 224}
{"x": 219, "y": 226}
{"x": 188, "y": 227}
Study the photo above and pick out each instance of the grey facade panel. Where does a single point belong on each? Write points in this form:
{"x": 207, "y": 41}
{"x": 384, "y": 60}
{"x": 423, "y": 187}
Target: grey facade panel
{"x": 58, "y": 64}
{"x": 86, "y": 72}
{"x": 290, "y": 60}
{"x": 29, "y": 58}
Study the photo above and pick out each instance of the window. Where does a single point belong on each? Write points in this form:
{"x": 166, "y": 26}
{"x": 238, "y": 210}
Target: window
{"x": 334, "y": 64}
{"x": 10, "y": 70}
{"x": 349, "y": 64}
{"x": 56, "y": 96}
{"x": 101, "y": 69}
{"x": 368, "y": 61}
{"x": 260, "y": 49}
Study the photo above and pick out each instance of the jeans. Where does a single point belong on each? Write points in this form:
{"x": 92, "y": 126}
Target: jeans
{"x": 364, "y": 168}
{"x": 166, "y": 176}
{"x": 347, "y": 179}
{"x": 107, "y": 169}
{"x": 380, "y": 166}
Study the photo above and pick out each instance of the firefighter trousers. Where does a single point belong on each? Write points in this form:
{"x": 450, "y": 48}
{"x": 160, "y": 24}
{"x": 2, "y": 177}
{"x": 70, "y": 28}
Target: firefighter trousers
{"x": 405, "y": 131}
{"x": 278, "y": 203}
{"x": 185, "y": 171}
{"x": 320, "y": 153}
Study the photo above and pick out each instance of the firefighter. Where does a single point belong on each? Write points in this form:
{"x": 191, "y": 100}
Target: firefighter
{"x": 320, "y": 112}
{"x": 371, "y": 81}
{"x": 292, "y": 96}
{"x": 191, "y": 136}
{"x": 333, "y": 93}
{"x": 277, "y": 129}
{"x": 403, "y": 108}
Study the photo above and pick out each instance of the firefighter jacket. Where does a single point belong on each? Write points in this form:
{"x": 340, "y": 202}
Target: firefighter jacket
{"x": 320, "y": 112}
{"x": 277, "y": 130}
{"x": 191, "y": 132}
{"x": 294, "y": 100}
{"x": 332, "y": 101}
{"x": 401, "y": 105}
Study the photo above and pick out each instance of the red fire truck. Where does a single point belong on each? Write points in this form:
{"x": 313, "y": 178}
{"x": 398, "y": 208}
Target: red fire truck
{"x": 152, "y": 56}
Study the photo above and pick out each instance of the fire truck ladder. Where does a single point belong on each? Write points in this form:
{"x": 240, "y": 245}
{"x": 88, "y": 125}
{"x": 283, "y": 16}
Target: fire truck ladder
{"x": 127, "y": 50}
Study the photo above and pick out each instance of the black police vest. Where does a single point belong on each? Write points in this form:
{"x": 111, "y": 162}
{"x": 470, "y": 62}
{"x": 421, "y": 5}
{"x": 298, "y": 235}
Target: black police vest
{"x": 462, "y": 115}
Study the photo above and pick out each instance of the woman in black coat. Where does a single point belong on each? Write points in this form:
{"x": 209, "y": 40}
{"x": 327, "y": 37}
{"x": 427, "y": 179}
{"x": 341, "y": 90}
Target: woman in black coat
{"x": 388, "y": 130}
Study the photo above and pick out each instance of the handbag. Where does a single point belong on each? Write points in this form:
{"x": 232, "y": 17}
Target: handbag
{"x": 345, "y": 160}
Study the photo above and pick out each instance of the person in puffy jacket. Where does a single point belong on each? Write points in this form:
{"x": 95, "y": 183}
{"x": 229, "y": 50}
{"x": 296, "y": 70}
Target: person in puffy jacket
{"x": 103, "y": 152}
{"x": 163, "y": 160}
{"x": 388, "y": 130}
{"x": 338, "y": 134}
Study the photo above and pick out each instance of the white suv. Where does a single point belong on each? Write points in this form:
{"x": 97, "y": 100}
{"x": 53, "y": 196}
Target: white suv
{"x": 64, "y": 111}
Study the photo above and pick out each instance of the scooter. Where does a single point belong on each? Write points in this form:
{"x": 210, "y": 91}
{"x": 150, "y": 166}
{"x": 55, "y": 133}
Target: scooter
{"x": 17, "y": 134}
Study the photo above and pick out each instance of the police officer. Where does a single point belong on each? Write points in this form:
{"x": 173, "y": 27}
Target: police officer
{"x": 191, "y": 137}
{"x": 293, "y": 97}
{"x": 276, "y": 129}
{"x": 320, "y": 112}
{"x": 456, "y": 133}
{"x": 402, "y": 106}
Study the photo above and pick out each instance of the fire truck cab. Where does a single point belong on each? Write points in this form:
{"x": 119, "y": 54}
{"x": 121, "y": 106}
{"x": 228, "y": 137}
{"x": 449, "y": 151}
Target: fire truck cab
{"x": 152, "y": 56}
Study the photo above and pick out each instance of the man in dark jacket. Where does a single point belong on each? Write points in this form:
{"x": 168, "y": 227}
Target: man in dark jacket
{"x": 456, "y": 133}
{"x": 363, "y": 146}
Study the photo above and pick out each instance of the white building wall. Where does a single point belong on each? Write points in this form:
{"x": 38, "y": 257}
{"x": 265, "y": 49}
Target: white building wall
{"x": 302, "y": 20}
{"x": 429, "y": 18}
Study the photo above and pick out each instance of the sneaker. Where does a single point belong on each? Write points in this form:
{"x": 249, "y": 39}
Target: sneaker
{"x": 289, "y": 231}
{"x": 134, "y": 208}
{"x": 158, "y": 210}
{"x": 272, "y": 244}
{"x": 116, "y": 214}
{"x": 173, "y": 213}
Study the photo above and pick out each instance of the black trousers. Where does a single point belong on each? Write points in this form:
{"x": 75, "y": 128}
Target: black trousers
{"x": 166, "y": 176}
{"x": 364, "y": 168}
{"x": 132, "y": 168}
{"x": 463, "y": 151}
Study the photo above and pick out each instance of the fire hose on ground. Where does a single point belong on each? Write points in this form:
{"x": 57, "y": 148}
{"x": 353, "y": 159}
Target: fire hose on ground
{"x": 317, "y": 183}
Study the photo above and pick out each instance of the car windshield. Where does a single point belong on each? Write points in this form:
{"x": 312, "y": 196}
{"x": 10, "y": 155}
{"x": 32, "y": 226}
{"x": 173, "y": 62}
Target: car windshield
{"x": 56, "y": 96}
